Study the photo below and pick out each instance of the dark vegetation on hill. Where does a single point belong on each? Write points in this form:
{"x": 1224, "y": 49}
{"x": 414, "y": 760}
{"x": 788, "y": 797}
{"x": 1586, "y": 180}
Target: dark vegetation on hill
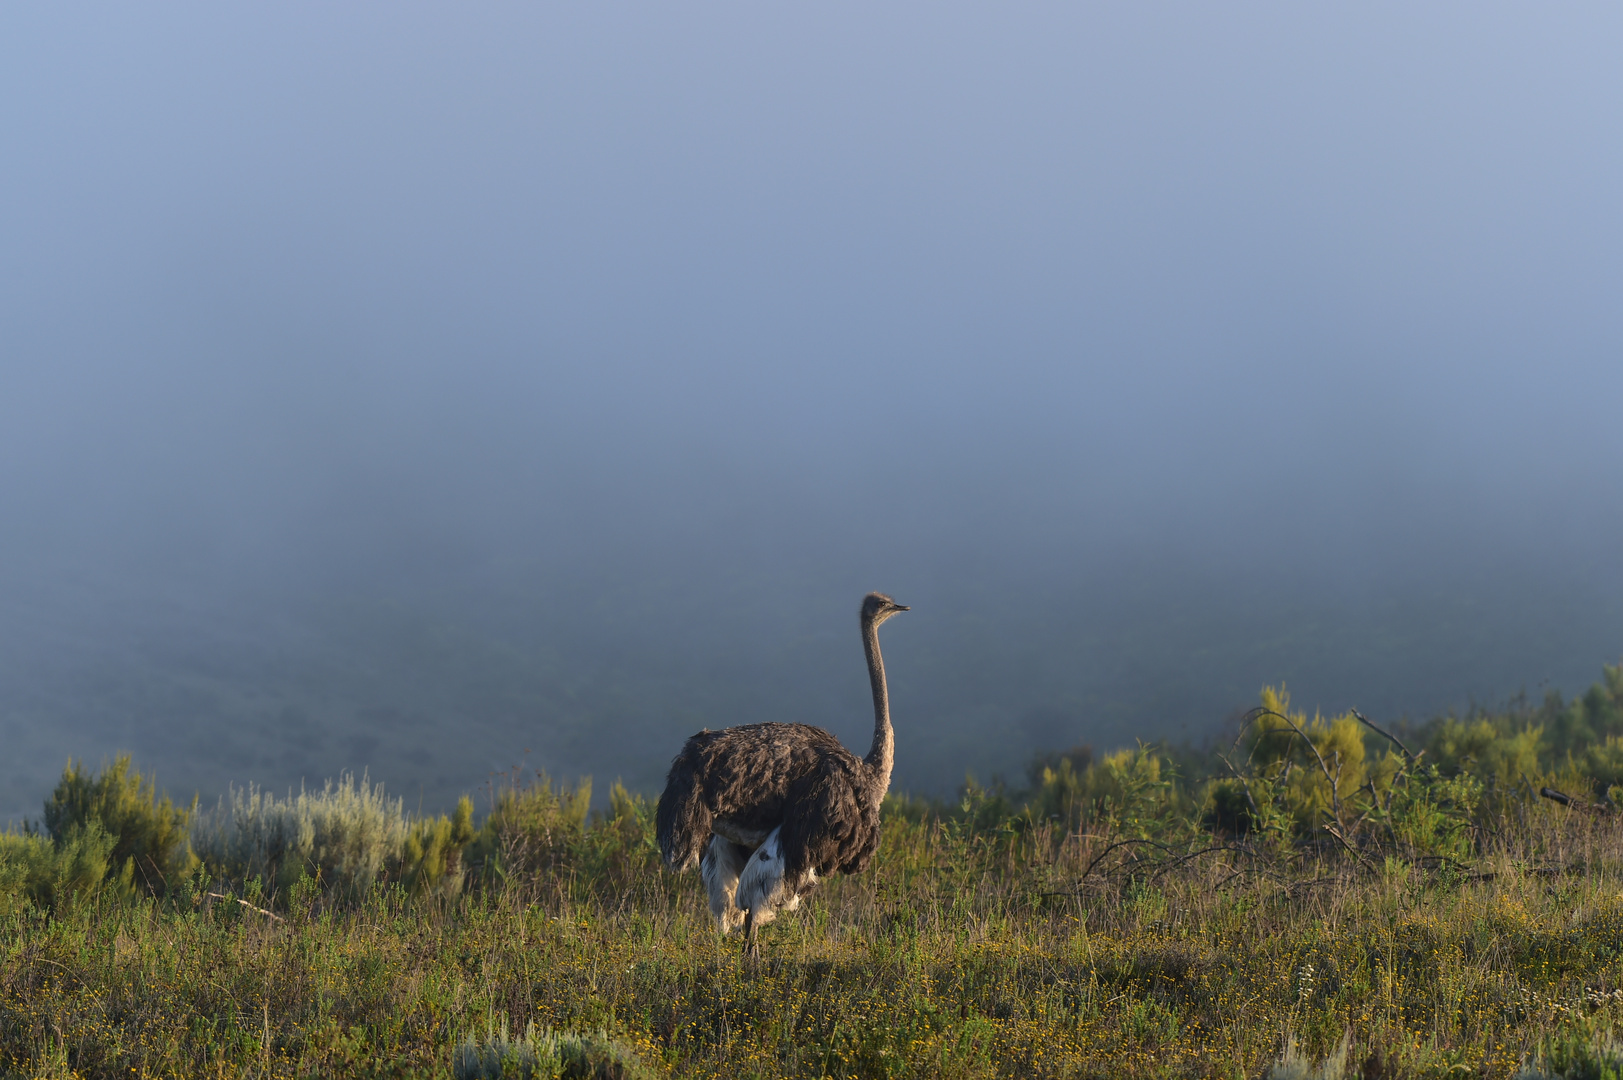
{"x": 1311, "y": 891}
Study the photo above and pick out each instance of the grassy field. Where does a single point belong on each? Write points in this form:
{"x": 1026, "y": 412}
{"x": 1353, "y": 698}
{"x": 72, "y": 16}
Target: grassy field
{"x": 1113, "y": 919}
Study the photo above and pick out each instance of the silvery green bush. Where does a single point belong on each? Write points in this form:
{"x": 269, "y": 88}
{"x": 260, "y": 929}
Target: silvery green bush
{"x": 344, "y": 835}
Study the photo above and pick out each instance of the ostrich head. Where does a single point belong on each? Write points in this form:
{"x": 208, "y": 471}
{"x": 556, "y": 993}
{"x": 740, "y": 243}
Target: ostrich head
{"x": 877, "y": 607}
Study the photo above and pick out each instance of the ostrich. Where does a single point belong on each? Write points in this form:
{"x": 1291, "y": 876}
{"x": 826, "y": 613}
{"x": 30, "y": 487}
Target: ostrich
{"x": 772, "y": 806}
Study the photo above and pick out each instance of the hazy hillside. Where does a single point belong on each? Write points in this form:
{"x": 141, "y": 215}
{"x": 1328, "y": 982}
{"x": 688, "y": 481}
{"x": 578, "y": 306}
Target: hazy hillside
{"x": 430, "y": 693}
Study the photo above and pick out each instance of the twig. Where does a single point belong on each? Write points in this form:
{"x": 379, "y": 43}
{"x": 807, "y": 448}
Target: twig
{"x": 1257, "y": 871}
{"x": 1160, "y": 868}
{"x": 1255, "y": 813}
{"x": 1373, "y": 806}
{"x": 1292, "y": 888}
{"x": 1172, "y": 864}
{"x": 1354, "y": 852}
{"x": 1259, "y": 712}
{"x": 1367, "y": 722}
{"x": 268, "y": 914}
{"x": 1119, "y": 843}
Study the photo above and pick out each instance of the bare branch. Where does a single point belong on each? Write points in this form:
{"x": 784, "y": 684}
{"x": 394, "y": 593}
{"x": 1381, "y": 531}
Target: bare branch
{"x": 268, "y": 914}
{"x": 1118, "y": 844}
{"x": 1261, "y": 711}
{"x": 1367, "y": 722}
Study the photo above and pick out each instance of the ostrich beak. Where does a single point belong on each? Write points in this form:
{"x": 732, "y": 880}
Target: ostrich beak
{"x": 900, "y": 607}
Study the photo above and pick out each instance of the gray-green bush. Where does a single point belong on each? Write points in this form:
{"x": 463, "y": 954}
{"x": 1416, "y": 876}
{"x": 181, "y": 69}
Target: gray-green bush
{"x": 345, "y": 837}
{"x": 546, "y": 1055}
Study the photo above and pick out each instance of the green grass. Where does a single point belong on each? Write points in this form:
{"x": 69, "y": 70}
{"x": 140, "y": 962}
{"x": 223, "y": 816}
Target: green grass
{"x": 958, "y": 954}
{"x": 1321, "y": 907}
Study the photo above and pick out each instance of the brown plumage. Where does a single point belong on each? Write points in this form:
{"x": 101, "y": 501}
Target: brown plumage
{"x": 768, "y": 808}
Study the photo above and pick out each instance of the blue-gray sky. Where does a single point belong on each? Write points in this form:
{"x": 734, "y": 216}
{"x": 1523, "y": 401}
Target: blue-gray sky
{"x": 1149, "y": 351}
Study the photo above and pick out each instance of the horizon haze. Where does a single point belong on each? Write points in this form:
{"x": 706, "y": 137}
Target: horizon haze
{"x": 421, "y": 390}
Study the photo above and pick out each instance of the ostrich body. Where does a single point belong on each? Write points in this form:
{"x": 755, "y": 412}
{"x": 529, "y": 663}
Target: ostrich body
{"x": 767, "y": 808}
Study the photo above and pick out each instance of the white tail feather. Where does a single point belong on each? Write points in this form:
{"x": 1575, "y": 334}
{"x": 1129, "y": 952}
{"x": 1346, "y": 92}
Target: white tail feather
{"x": 720, "y": 868}
{"x": 762, "y": 888}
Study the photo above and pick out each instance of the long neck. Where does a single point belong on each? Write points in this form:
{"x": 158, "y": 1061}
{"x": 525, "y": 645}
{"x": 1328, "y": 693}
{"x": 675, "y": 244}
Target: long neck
{"x": 883, "y": 754}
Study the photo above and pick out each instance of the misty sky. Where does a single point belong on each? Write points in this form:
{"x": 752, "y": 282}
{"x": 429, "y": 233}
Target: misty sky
{"x": 1150, "y": 352}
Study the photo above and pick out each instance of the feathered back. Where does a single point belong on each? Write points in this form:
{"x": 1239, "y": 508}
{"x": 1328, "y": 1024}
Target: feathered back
{"x": 682, "y": 820}
{"x": 832, "y": 822}
{"x": 740, "y": 778}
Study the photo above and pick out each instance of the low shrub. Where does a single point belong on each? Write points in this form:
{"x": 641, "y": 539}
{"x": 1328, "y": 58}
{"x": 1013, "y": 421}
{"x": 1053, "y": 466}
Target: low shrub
{"x": 345, "y": 837}
{"x": 430, "y": 859}
{"x": 1580, "y": 1056}
{"x": 49, "y": 873}
{"x": 103, "y": 833}
{"x": 547, "y": 1055}
{"x": 342, "y": 836}
{"x": 149, "y": 832}
{"x": 1124, "y": 789}
{"x": 531, "y": 828}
